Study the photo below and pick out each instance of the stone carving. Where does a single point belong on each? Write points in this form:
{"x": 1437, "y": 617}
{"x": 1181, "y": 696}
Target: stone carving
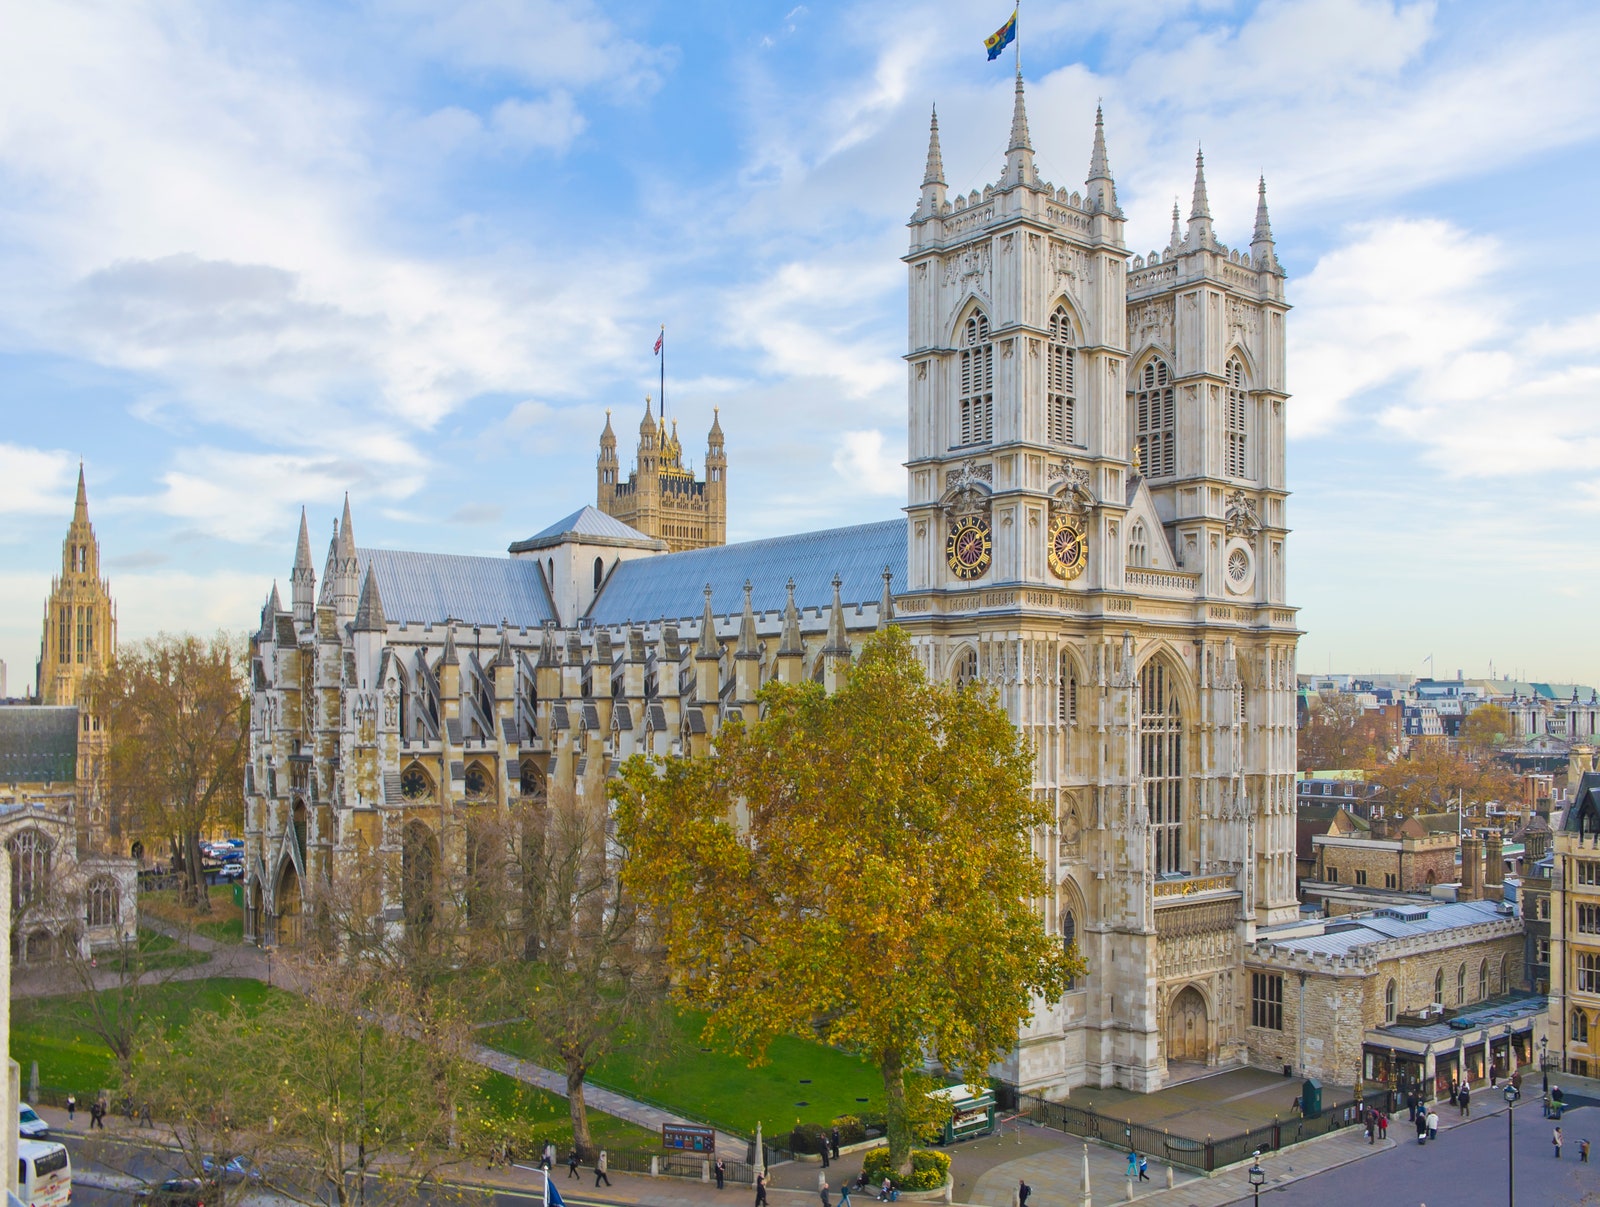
{"x": 1241, "y": 516}
{"x": 966, "y": 489}
{"x": 1152, "y": 323}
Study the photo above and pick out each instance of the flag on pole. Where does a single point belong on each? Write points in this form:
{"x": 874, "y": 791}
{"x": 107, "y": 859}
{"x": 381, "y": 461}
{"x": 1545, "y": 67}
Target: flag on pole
{"x": 660, "y": 339}
{"x": 1002, "y": 37}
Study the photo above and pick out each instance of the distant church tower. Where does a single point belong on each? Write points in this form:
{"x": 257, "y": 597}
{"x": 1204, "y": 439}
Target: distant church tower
{"x": 1097, "y": 530}
{"x": 661, "y": 498}
{"x": 80, "y": 621}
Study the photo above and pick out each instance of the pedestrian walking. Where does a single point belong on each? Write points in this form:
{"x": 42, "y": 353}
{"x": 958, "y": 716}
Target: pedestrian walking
{"x": 761, "y": 1190}
{"x": 722, "y": 1172}
{"x": 833, "y": 1139}
{"x": 1555, "y": 1139}
{"x": 600, "y": 1169}
{"x": 823, "y": 1194}
{"x": 1023, "y": 1191}
{"x": 1433, "y": 1124}
{"x": 72, "y": 1107}
{"x": 1144, "y": 1169}
{"x": 572, "y": 1165}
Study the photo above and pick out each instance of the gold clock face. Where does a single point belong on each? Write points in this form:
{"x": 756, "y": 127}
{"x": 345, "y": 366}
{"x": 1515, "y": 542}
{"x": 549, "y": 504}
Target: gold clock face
{"x": 969, "y": 548}
{"x": 1069, "y": 549}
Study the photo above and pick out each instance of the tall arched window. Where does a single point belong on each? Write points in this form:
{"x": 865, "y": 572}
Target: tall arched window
{"x": 1067, "y": 694}
{"x": 1238, "y": 461}
{"x": 1580, "y": 1027}
{"x": 102, "y": 902}
{"x": 1438, "y": 988}
{"x": 1138, "y": 545}
{"x": 977, "y": 382}
{"x": 30, "y": 867}
{"x": 1461, "y": 985}
{"x": 1157, "y": 421}
{"x": 966, "y": 667}
{"x": 1483, "y": 980}
{"x": 1390, "y": 1001}
{"x": 1161, "y": 764}
{"x": 1060, "y": 392}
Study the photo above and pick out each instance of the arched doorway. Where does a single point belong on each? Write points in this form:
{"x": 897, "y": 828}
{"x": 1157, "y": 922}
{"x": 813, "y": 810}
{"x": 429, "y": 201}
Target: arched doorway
{"x": 287, "y": 900}
{"x": 1188, "y": 1037}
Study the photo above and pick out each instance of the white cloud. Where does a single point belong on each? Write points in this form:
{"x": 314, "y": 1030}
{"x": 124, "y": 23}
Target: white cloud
{"x": 36, "y": 481}
{"x": 863, "y": 462}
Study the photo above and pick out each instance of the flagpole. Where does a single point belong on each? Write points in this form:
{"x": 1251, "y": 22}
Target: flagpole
{"x": 663, "y": 394}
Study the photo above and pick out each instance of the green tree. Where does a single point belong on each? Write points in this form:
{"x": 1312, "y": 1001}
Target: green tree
{"x": 176, "y": 718}
{"x": 857, "y": 868}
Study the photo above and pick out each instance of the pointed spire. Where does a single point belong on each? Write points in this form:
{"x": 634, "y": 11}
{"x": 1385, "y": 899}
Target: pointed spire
{"x": 934, "y": 173}
{"x": 708, "y": 646}
{"x": 1200, "y": 212}
{"x": 790, "y": 641}
{"x": 886, "y": 601}
{"x": 1263, "y": 250}
{"x": 80, "y": 507}
{"x": 369, "y": 612}
{"x": 1019, "y": 153}
{"x": 1102, "y": 188}
{"x": 749, "y": 646}
{"x": 450, "y": 657}
{"x": 838, "y": 643}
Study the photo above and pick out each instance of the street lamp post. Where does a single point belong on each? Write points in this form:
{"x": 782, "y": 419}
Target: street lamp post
{"x": 1511, "y": 1145}
{"x": 1257, "y": 1176}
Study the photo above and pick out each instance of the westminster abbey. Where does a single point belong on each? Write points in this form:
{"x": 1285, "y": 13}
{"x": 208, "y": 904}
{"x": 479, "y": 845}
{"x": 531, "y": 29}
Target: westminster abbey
{"x": 1094, "y": 525}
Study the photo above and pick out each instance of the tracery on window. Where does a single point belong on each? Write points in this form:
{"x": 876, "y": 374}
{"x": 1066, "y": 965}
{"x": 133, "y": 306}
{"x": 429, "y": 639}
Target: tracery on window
{"x": 977, "y": 382}
{"x": 1156, "y": 417}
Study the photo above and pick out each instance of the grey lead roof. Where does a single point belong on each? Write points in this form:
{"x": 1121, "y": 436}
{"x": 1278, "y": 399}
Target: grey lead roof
{"x": 672, "y": 586}
{"x": 428, "y": 588}
{"x": 38, "y": 744}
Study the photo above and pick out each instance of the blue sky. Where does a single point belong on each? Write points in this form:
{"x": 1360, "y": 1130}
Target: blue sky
{"x": 253, "y": 256}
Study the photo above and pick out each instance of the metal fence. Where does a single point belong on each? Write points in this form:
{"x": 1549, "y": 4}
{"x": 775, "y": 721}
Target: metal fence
{"x": 1203, "y": 1155}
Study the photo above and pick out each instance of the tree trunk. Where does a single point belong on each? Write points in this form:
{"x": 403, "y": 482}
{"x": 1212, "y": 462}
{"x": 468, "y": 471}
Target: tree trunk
{"x": 896, "y": 1123}
{"x": 194, "y": 889}
{"x": 579, "y": 1109}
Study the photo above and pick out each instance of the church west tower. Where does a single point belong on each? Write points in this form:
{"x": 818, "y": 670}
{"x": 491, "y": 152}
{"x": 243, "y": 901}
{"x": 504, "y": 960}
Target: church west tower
{"x": 1096, "y": 529}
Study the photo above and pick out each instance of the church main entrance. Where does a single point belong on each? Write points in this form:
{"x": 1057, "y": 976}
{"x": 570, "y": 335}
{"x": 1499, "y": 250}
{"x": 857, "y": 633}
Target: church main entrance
{"x": 1188, "y": 1037}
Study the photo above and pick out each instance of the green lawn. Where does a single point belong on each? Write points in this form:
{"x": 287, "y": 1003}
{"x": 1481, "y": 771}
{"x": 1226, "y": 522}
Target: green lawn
{"x": 801, "y": 1081}
{"x": 54, "y": 1030}
{"x": 224, "y": 922}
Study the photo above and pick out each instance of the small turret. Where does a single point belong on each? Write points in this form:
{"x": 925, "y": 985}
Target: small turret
{"x": 1102, "y": 188}
{"x": 303, "y": 579}
{"x": 1263, "y": 249}
{"x": 1019, "y": 152}
{"x": 933, "y": 184}
{"x": 1200, "y": 212}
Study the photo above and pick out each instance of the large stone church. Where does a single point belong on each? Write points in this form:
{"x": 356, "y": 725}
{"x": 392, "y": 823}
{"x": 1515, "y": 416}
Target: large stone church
{"x": 1094, "y": 527}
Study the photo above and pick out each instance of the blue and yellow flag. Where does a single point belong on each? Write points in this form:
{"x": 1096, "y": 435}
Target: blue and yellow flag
{"x": 1002, "y": 37}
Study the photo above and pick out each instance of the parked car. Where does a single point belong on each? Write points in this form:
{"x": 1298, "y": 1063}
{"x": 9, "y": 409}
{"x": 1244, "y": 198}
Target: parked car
{"x": 179, "y": 1192}
{"x": 30, "y": 1126}
{"x": 231, "y": 1170}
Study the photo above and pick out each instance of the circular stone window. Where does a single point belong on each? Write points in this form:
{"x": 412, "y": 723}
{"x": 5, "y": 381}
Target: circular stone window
{"x": 1240, "y": 567}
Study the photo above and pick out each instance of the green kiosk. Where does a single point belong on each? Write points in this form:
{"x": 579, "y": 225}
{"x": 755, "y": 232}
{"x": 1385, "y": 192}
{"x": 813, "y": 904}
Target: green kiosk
{"x": 971, "y": 1112}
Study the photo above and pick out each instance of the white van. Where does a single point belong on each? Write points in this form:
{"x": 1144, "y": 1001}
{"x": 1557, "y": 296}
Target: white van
{"x": 44, "y": 1173}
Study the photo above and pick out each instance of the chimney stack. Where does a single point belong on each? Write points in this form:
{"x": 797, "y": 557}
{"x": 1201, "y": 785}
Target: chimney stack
{"x": 1471, "y": 867}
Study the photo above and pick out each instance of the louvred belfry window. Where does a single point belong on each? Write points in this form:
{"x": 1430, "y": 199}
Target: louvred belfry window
{"x": 977, "y": 382}
{"x": 1060, "y": 399}
{"x": 1155, "y": 410}
{"x": 1238, "y": 459}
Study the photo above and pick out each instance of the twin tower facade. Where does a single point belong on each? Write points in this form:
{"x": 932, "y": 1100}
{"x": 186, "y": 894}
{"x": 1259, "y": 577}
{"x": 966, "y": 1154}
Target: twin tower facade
{"x": 1094, "y": 527}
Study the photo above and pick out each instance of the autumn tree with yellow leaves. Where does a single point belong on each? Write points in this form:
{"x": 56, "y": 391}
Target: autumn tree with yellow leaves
{"x": 856, "y": 868}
